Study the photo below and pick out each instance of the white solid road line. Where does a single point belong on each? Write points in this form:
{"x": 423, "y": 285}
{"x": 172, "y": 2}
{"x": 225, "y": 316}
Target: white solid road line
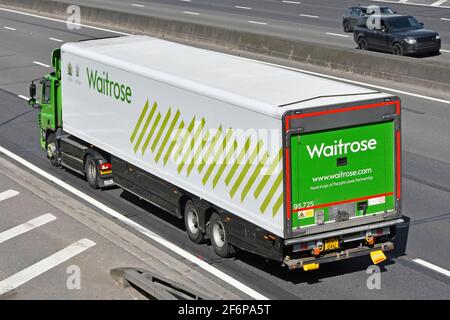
{"x": 9, "y": 28}
{"x": 291, "y": 2}
{"x": 23, "y": 97}
{"x": 337, "y": 34}
{"x": 169, "y": 245}
{"x": 447, "y": 51}
{"x": 432, "y": 267}
{"x": 55, "y": 39}
{"x": 445, "y": 19}
{"x": 8, "y": 194}
{"x": 244, "y": 8}
{"x": 41, "y": 64}
{"x": 193, "y": 13}
{"x": 137, "y": 5}
{"x": 25, "y": 227}
{"x": 44, "y": 265}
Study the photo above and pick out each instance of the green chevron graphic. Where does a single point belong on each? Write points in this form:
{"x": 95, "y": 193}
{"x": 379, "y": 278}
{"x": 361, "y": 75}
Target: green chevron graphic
{"x": 239, "y": 166}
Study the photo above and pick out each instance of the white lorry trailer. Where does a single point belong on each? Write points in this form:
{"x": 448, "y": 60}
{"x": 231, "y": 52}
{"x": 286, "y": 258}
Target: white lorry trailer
{"x": 293, "y": 167}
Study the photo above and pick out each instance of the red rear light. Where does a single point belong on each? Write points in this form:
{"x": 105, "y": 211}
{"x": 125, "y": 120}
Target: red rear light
{"x": 105, "y": 166}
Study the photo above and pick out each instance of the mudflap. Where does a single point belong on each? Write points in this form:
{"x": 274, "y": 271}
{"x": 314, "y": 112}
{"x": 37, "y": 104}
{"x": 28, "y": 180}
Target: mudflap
{"x": 401, "y": 238}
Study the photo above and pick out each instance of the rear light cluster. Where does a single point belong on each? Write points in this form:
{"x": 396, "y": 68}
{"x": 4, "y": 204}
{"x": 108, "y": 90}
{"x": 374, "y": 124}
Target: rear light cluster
{"x": 105, "y": 168}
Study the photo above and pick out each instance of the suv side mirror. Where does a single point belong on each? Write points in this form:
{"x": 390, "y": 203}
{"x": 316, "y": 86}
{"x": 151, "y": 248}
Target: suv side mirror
{"x": 32, "y": 90}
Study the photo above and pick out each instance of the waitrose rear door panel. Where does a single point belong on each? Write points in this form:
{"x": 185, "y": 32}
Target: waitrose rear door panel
{"x": 342, "y": 166}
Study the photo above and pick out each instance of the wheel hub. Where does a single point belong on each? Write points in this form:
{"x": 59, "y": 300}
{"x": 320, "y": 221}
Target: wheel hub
{"x": 193, "y": 221}
{"x": 219, "y": 234}
{"x": 51, "y": 150}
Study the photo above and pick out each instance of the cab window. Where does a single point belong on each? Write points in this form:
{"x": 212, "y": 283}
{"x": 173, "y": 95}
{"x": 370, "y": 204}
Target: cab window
{"x": 46, "y": 92}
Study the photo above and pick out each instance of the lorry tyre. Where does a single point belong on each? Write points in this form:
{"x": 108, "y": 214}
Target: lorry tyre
{"x": 192, "y": 223}
{"x": 52, "y": 150}
{"x": 219, "y": 237}
{"x": 91, "y": 172}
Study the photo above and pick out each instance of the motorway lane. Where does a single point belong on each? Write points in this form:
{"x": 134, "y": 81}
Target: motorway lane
{"x": 273, "y": 18}
{"x": 426, "y": 176}
{"x": 317, "y": 21}
{"x": 17, "y": 67}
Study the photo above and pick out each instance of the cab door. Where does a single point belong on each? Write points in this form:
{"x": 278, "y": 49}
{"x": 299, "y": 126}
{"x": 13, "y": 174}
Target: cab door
{"x": 47, "y": 114}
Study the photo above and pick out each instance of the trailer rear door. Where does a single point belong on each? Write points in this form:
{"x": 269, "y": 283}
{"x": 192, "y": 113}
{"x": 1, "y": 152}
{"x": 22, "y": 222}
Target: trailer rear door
{"x": 342, "y": 174}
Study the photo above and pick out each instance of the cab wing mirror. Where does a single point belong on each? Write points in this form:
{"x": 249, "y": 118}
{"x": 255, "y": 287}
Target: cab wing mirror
{"x": 32, "y": 90}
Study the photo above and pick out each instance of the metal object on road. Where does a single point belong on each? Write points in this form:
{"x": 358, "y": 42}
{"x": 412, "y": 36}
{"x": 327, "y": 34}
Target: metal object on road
{"x": 155, "y": 287}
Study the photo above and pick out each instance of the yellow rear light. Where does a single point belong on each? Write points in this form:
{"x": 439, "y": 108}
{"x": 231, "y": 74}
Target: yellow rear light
{"x": 311, "y": 266}
{"x": 377, "y": 256}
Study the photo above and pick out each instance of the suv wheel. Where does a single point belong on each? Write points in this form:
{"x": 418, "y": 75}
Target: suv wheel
{"x": 347, "y": 27}
{"x": 397, "y": 49}
{"x": 362, "y": 44}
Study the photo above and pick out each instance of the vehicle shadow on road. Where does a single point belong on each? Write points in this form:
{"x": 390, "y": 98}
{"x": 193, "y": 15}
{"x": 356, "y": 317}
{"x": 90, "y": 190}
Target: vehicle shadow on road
{"x": 271, "y": 267}
{"x": 298, "y": 276}
{"x": 152, "y": 209}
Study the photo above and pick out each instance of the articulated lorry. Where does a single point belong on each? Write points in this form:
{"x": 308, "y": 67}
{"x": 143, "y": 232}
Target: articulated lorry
{"x": 290, "y": 166}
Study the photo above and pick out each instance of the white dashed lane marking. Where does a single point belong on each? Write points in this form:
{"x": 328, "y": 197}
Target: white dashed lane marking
{"x": 8, "y": 194}
{"x": 25, "y": 227}
{"x": 337, "y": 35}
{"x": 44, "y": 265}
{"x": 41, "y": 64}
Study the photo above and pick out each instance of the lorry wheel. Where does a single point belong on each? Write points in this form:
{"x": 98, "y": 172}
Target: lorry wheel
{"x": 347, "y": 27}
{"x": 192, "y": 223}
{"x": 219, "y": 237}
{"x": 90, "y": 170}
{"x": 52, "y": 151}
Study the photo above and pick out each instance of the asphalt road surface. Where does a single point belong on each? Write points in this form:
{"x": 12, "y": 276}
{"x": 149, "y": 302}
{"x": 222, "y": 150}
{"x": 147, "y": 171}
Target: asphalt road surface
{"x": 318, "y": 21}
{"x": 25, "y": 51}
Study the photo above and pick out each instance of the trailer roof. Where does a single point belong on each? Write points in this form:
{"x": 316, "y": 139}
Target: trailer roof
{"x": 247, "y": 83}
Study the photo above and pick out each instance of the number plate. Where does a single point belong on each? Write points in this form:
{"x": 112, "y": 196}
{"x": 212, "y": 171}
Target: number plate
{"x": 331, "y": 244}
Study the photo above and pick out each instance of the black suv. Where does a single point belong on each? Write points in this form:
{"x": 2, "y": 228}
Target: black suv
{"x": 352, "y": 15}
{"x": 398, "y": 34}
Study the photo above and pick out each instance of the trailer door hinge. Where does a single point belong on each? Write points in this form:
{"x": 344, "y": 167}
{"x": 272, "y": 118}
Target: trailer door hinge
{"x": 289, "y": 133}
{"x": 394, "y": 117}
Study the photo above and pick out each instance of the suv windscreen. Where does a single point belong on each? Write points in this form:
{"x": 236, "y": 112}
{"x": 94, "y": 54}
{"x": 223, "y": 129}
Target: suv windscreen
{"x": 379, "y": 10}
{"x": 386, "y": 11}
{"x": 403, "y": 24}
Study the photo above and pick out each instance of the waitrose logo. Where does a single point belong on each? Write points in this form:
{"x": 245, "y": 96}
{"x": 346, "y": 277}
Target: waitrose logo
{"x": 341, "y": 148}
{"x": 103, "y": 85}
